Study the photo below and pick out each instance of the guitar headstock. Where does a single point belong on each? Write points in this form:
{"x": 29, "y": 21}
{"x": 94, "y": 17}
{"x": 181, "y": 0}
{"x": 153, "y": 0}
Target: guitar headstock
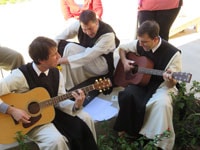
{"x": 182, "y": 76}
{"x": 102, "y": 84}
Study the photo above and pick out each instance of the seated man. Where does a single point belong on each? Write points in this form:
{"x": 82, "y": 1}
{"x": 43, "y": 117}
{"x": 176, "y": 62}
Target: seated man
{"x": 10, "y": 59}
{"x": 147, "y": 110}
{"x": 76, "y": 125}
{"x": 92, "y": 56}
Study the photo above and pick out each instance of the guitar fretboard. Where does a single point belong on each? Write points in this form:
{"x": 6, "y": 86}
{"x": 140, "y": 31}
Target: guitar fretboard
{"x": 180, "y": 76}
{"x": 150, "y": 71}
{"x": 68, "y": 95}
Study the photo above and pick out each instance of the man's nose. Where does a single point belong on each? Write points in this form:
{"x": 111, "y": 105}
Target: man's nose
{"x": 58, "y": 55}
{"x": 88, "y": 32}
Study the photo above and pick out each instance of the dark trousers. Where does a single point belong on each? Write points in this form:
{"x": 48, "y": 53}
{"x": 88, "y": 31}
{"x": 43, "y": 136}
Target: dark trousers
{"x": 164, "y": 18}
{"x": 76, "y": 130}
{"x": 132, "y": 103}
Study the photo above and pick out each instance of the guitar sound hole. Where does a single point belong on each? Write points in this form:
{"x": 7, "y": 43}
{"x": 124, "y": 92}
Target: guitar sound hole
{"x": 34, "y": 107}
{"x": 135, "y": 69}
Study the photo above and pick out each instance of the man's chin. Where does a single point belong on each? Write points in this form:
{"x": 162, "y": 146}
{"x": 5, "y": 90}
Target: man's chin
{"x": 54, "y": 66}
{"x": 92, "y": 36}
{"x": 146, "y": 49}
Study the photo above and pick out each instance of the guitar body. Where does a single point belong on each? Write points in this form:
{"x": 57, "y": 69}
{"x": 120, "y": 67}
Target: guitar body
{"x": 28, "y": 102}
{"x": 38, "y": 104}
{"x": 122, "y": 78}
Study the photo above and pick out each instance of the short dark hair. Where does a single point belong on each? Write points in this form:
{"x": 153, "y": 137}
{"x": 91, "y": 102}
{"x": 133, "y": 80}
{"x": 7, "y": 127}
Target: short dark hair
{"x": 40, "y": 47}
{"x": 87, "y": 16}
{"x": 149, "y": 27}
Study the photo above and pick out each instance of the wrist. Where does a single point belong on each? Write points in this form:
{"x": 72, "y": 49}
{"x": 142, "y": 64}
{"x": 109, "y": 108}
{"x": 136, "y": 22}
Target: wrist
{"x": 75, "y": 108}
{"x": 10, "y": 110}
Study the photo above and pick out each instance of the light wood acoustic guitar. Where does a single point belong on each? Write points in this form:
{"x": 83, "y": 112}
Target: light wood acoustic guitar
{"x": 142, "y": 72}
{"x": 39, "y": 105}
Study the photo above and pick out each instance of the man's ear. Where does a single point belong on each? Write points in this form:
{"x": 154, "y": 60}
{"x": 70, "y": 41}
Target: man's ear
{"x": 156, "y": 39}
{"x": 40, "y": 61}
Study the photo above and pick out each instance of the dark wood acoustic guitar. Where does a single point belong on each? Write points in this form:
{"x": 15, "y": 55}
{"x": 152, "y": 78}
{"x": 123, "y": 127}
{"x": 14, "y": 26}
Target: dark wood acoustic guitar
{"x": 142, "y": 72}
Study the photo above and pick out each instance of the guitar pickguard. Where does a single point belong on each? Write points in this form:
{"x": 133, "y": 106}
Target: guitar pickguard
{"x": 33, "y": 121}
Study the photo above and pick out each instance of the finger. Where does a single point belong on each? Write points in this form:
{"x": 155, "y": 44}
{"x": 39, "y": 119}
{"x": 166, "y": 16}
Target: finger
{"x": 74, "y": 94}
{"x": 169, "y": 71}
{"x": 169, "y": 76}
{"x": 27, "y": 117}
{"x": 25, "y": 120}
{"x": 81, "y": 93}
{"x": 165, "y": 76}
{"x": 77, "y": 97}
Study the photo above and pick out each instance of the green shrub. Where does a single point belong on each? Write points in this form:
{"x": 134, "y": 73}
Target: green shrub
{"x": 110, "y": 141}
{"x": 21, "y": 138}
{"x": 186, "y": 120}
{"x": 186, "y": 117}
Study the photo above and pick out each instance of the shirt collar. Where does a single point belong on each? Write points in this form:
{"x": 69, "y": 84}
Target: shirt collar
{"x": 38, "y": 71}
{"x": 157, "y": 46}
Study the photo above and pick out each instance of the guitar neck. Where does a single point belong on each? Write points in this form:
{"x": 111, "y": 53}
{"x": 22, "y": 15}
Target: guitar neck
{"x": 68, "y": 95}
{"x": 180, "y": 76}
{"x": 150, "y": 71}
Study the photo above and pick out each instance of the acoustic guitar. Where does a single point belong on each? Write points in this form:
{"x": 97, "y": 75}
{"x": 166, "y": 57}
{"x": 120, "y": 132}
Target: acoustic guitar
{"x": 39, "y": 105}
{"x": 142, "y": 72}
